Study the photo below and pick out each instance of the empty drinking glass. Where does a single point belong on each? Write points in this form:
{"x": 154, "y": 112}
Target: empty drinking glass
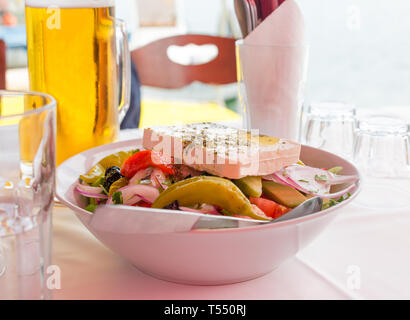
{"x": 382, "y": 147}
{"x": 271, "y": 80}
{"x": 330, "y": 126}
{"x": 27, "y": 182}
{"x": 381, "y": 153}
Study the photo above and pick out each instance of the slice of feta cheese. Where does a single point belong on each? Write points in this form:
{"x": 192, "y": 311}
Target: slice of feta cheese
{"x": 222, "y": 151}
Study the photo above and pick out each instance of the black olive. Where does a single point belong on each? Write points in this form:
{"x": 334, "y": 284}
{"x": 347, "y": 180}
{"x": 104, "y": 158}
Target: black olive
{"x": 112, "y": 174}
{"x": 112, "y": 170}
{"x": 173, "y": 206}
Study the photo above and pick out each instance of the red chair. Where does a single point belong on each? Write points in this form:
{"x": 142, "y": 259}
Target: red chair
{"x": 155, "y": 69}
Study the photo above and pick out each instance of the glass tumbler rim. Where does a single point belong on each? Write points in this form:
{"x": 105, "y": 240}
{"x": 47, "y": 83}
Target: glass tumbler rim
{"x": 51, "y": 102}
{"x": 383, "y": 125}
{"x": 241, "y": 43}
{"x": 331, "y": 110}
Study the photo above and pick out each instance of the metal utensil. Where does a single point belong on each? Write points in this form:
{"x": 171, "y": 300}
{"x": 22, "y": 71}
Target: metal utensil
{"x": 259, "y": 10}
{"x": 249, "y": 16}
{"x": 250, "y": 13}
{"x": 308, "y": 207}
{"x": 241, "y": 16}
{"x": 254, "y": 13}
{"x": 128, "y": 219}
{"x": 244, "y": 16}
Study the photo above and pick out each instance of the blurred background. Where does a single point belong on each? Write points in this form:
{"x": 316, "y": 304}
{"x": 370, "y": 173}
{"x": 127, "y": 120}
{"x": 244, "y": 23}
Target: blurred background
{"x": 359, "y": 49}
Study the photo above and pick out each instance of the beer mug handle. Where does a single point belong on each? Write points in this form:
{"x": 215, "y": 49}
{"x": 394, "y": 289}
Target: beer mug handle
{"x": 124, "y": 63}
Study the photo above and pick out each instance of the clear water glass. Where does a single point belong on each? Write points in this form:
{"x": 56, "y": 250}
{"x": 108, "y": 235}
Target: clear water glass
{"x": 330, "y": 126}
{"x": 382, "y": 147}
{"x": 27, "y": 183}
{"x": 271, "y": 82}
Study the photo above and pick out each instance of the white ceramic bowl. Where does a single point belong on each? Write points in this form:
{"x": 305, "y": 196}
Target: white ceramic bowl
{"x": 203, "y": 257}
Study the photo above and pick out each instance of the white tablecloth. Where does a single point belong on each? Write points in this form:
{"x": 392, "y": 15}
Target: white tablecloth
{"x": 363, "y": 254}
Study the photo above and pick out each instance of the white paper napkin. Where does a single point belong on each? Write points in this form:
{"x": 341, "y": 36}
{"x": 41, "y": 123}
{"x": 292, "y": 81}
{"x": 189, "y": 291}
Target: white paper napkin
{"x": 273, "y": 60}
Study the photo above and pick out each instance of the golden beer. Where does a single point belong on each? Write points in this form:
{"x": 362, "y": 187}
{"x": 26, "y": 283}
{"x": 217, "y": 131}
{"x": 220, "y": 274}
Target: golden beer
{"x": 72, "y": 56}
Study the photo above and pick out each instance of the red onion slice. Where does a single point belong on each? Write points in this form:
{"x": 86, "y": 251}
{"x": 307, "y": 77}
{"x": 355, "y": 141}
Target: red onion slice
{"x": 204, "y": 209}
{"x": 89, "y": 189}
{"x": 331, "y": 195}
{"x": 209, "y": 209}
{"x": 132, "y": 201}
{"x": 91, "y": 195}
{"x": 132, "y": 194}
{"x": 144, "y": 199}
{"x": 321, "y": 176}
{"x": 285, "y": 180}
{"x": 312, "y": 181}
{"x": 129, "y": 192}
{"x": 158, "y": 178}
{"x": 140, "y": 175}
{"x": 324, "y": 194}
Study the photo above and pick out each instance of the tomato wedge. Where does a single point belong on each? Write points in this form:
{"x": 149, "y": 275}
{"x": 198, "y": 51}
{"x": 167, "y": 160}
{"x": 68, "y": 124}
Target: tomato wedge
{"x": 143, "y": 204}
{"x": 144, "y": 159}
{"x": 280, "y": 211}
{"x": 269, "y": 207}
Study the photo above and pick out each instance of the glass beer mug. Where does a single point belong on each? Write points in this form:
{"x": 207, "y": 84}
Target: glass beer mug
{"x": 78, "y": 53}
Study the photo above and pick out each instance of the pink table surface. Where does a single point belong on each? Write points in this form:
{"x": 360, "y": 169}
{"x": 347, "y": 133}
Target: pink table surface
{"x": 363, "y": 254}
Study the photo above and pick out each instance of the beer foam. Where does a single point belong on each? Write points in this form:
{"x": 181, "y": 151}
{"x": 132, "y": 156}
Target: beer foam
{"x": 70, "y": 3}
